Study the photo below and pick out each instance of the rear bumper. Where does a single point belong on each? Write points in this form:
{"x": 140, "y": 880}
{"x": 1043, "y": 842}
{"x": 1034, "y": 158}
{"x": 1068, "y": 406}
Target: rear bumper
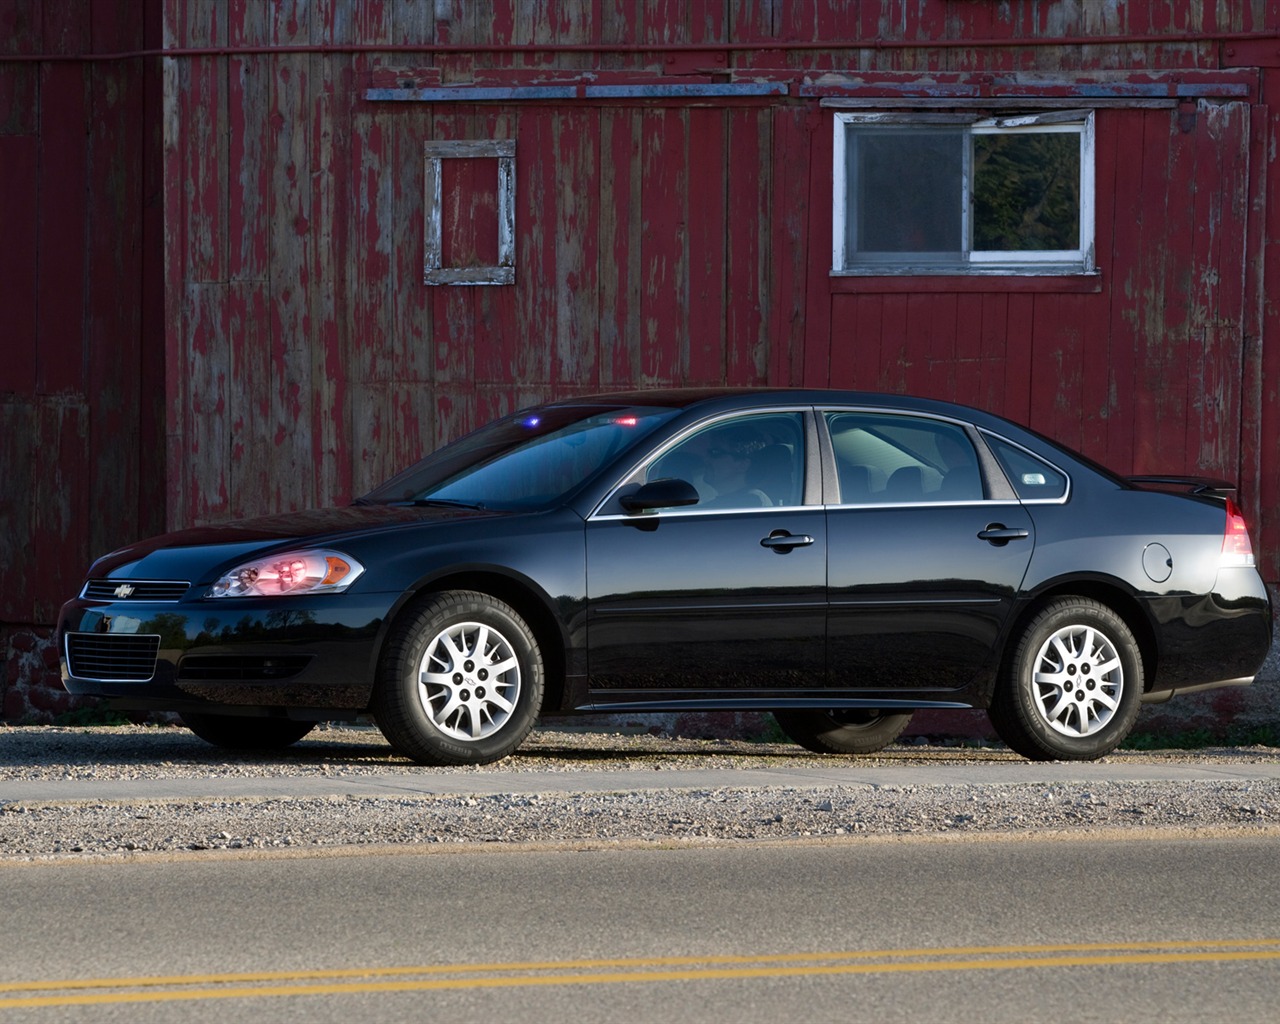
{"x": 1212, "y": 641}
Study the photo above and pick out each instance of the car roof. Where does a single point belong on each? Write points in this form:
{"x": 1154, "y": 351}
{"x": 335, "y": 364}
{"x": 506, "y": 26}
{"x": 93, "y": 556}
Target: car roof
{"x": 687, "y": 398}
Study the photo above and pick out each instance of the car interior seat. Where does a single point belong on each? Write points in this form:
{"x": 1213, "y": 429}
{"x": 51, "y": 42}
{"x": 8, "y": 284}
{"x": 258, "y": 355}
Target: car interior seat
{"x": 773, "y": 471}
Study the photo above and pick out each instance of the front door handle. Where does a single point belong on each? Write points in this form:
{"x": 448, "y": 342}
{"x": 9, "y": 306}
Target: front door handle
{"x": 999, "y": 534}
{"x": 782, "y": 542}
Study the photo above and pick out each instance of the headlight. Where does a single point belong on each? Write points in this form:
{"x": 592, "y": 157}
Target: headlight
{"x": 293, "y": 572}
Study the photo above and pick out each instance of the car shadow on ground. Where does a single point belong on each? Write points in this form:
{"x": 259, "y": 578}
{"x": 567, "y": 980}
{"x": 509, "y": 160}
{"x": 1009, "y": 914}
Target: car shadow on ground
{"x": 362, "y": 748}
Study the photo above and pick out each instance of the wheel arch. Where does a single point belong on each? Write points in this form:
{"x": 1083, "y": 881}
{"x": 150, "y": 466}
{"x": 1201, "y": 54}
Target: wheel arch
{"x": 530, "y": 602}
{"x": 1105, "y": 591}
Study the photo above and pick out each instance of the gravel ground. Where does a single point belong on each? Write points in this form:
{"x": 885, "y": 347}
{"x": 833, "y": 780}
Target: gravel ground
{"x": 31, "y": 830}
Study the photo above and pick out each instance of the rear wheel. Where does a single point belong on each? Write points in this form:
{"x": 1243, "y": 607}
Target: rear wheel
{"x": 239, "y": 732}
{"x": 1072, "y": 688}
{"x": 846, "y": 731}
{"x": 461, "y": 682}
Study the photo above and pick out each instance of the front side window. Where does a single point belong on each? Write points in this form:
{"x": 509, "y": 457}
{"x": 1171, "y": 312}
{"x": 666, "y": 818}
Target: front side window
{"x": 956, "y": 195}
{"x": 743, "y": 462}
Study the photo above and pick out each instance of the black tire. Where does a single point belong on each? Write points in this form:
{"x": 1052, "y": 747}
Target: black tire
{"x": 485, "y": 693}
{"x": 241, "y": 732}
{"x": 848, "y": 731}
{"x": 1072, "y": 687}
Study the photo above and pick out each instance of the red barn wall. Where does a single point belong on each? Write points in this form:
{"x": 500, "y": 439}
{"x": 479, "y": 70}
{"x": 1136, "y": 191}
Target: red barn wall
{"x": 81, "y": 343}
{"x": 659, "y": 239}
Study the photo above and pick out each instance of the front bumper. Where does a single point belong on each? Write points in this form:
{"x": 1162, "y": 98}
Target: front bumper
{"x": 311, "y": 652}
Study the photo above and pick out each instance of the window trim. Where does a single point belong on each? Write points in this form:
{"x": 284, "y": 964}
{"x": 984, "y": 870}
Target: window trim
{"x": 1060, "y": 500}
{"x": 810, "y": 490}
{"x": 1060, "y": 262}
{"x": 434, "y": 154}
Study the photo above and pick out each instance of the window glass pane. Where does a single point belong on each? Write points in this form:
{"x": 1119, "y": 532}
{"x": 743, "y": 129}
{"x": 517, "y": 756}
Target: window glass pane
{"x": 524, "y": 461}
{"x": 1032, "y": 479}
{"x": 898, "y": 459}
{"x": 1026, "y": 191}
{"x": 749, "y": 462}
{"x": 906, "y": 190}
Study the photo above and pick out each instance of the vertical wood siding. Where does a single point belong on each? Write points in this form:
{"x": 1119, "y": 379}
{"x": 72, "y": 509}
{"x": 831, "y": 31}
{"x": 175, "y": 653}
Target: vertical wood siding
{"x": 659, "y": 243}
{"x": 299, "y": 358}
{"x": 81, "y": 456}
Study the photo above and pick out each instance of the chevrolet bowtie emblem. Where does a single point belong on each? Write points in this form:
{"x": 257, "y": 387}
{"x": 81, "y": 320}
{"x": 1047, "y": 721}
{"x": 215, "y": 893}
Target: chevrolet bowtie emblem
{"x": 124, "y": 590}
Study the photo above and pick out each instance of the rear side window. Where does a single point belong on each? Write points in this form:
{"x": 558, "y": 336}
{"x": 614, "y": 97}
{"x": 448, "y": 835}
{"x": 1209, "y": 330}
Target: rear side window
{"x": 1033, "y": 479}
{"x": 894, "y": 459}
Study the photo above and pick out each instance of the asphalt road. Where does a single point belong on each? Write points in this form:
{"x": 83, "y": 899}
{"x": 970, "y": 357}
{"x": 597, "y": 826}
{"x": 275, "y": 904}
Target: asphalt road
{"x": 857, "y": 929}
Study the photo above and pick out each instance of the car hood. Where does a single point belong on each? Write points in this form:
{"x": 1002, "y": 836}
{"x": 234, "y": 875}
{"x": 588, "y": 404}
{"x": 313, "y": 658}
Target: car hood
{"x": 185, "y": 554}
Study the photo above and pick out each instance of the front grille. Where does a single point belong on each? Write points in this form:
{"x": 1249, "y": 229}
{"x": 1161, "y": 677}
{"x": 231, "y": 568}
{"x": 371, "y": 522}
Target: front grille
{"x": 135, "y": 590}
{"x": 241, "y": 667}
{"x": 112, "y": 657}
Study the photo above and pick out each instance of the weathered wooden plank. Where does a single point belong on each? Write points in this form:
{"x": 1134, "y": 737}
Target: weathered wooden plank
{"x": 1259, "y": 451}
{"x": 968, "y": 353}
{"x": 664, "y": 298}
{"x": 1098, "y": 399}
{"x": 1057, "y": 366}
{"x": 204, "y": 141}
{"x": 789, "y": 241}
{"x": 575, "y": 145}
{"x": 248, "y": 109}
{"x": 994, "y": 341}
{"x": 18, "y": 439}
{"x": 1018, "y": 401}
{"x": 60, "y": 250}
{"x": 749, "y": 299}
{"x": 1164, "y": 322}
{"x": 1217, "y": 346}
{"x": 533, "y": 360}
{"x": 857, "y": 326}
{"x": 331, "y": 101}
{"x": 708, "y": 228}
{"x": 250, "y": 429}
{"x": 942, "y": 328}
{"x": 207, "y": 427}
{"x": 19, "y": 213}
{"x": 60, "y": 502}
{"x": 1128, "y": 243}
{"x": 290, "y": 211}
{"x": 620, "y": 229}
{"x": 114, "y": 351}
{"x": 894, "y": 358}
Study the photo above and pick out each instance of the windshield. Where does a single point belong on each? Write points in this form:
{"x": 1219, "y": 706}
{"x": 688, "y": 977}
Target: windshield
{"x": 526, "y": 461}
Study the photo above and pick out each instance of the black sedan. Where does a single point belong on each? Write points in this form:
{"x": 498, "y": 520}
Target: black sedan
{"x": 835, "y": 558}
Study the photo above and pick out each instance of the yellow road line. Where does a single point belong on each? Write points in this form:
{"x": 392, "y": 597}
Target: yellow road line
{"x": 643, "y": 970}
{"x": 629, "y": 962}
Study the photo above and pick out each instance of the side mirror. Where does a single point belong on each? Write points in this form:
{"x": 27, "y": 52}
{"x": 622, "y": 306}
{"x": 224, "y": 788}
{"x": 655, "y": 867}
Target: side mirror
{"x": 667, "y": 493}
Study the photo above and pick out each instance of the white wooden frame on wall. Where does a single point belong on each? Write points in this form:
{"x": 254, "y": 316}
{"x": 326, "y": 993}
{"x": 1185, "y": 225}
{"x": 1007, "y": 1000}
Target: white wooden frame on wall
{"x": 435, "y": 153}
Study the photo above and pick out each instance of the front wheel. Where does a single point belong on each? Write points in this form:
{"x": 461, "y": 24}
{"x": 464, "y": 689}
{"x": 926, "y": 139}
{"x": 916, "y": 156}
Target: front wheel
{"x": 848, "y": 731}
{"x": 240, "y": 732}
{"x": 461, "y": 682}
{"x": 1071, "y": 689}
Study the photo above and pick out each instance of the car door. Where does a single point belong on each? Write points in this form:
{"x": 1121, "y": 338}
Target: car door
{"x": 727, "y": 594}
{"x": 926, "y": 553}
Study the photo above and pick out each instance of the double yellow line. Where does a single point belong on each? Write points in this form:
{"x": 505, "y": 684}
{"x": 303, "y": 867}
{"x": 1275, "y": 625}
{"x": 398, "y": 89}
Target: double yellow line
{"x": 257, "y": 985}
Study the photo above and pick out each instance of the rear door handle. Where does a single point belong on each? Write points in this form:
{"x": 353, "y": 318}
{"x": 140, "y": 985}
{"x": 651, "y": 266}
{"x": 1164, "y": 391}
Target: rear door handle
{"x": 783, "y": 542}
{"x": 999, "y": 534}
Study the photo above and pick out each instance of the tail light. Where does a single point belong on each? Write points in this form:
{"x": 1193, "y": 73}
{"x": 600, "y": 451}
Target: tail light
{"x": 1236, "y": 547}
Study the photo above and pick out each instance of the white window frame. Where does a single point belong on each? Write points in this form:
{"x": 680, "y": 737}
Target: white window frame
{"x": 1080, "y": 260}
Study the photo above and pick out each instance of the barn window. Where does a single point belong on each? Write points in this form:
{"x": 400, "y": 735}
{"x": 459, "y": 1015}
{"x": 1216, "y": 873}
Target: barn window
{"x": 499, "y": 199}
{"x": 960, "y": 194}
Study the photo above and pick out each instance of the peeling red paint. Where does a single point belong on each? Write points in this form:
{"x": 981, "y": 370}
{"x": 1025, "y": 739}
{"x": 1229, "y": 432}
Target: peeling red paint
{"x": 290, "y": 355}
